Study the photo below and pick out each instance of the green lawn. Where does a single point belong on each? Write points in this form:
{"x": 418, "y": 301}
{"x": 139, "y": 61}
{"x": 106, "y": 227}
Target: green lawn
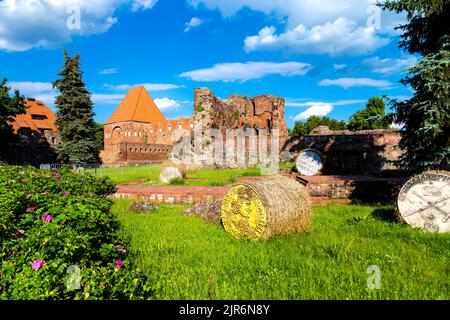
{"x": 189, "y": 259}
{"x": 128, "y": 174}
{"x": 150, "y": 173}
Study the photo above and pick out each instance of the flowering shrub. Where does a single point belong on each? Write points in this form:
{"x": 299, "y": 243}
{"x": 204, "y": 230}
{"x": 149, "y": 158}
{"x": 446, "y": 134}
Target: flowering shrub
{"x": 59, "y": 239}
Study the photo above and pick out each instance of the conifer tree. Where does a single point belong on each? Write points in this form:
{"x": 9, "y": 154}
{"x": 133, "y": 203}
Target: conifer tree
{"x": 426, "y": 116}
{"x": 75, "y": 115}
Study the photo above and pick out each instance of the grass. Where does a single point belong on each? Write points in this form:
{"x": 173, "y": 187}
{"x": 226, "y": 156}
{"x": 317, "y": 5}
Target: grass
{"x": 186, "y": 258}
{"x": 128, "y": 174}
{"x": 150, "y": 175}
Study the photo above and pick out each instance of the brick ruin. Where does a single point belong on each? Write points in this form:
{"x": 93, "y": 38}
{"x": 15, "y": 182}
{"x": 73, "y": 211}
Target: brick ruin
{"x": 239, "y": 112}
{"x": 137, "y": 132}
{"x": 347, "y": 152}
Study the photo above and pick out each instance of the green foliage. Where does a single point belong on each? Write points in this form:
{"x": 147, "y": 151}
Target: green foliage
{"x": 75, "y": 115}
{"x": 425, "y": 117}
{"x": 372, "y": 117}
{"x": 181, "y": 254}
{"x": 9, "y": 108}
{"x": 177, "y": 182}
{"x": 304, "y": 128}
{"x": 99, "y": 136}
{"x": 427, "y": 23}
{"x": 199, "y": 108}
{"x": 63, "y": 219}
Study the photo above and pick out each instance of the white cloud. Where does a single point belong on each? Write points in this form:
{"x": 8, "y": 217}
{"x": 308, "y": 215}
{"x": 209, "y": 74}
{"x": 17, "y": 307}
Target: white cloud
{"x": 347, "y": 83}
{"x": 389, "y": 66}
{"x": 108, "y": 71}
{"x": 343, "y": 36}
{"x": 315, "y": 16}
{"x": 292, "y": 103}
{"x": 193, "y": 23}
{"x": 26, "y": 24}
{"x": 148, "y": 86}
{"x": 26, "y": 87}
{"x": 137, "y": 5}
{"x": 38, "y": 90}
{"x": 166, "y": 104}
{"x": 101, "y": 98}
{"x": 339, "y": 66}
{"x": 308, "y": 12}
{"x": 241, "y": 72}
{"x": 316, "y": 109}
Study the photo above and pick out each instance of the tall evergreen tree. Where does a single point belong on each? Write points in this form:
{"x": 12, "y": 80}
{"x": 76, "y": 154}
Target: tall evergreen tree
{"x": 373, "y": 116}
{"x": 75, "y": 117}
{"x": 426, "y": 116}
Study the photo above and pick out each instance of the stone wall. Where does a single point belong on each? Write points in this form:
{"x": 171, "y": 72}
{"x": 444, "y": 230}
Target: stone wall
{"x": 347, "y": 152}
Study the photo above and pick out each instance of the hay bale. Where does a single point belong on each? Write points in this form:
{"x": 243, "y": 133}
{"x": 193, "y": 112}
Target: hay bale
{"x": 264, "y": 208}
{"x": 171, "y": 170}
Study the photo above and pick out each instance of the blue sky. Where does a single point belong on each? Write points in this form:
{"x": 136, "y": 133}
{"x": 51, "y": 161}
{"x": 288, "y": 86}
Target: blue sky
{"x": 325, "y": 57}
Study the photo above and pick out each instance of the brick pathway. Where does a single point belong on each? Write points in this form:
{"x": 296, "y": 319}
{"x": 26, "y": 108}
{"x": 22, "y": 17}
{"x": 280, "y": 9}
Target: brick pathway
{"x": 193, "y": 194}
{"x": 171, "y": 194}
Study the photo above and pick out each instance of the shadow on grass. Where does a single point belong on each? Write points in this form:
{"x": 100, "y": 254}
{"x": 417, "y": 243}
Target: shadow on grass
{"x": 385, "y": 214}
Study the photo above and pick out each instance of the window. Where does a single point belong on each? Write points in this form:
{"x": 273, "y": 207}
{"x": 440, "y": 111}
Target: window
{"x": 135, "y": 133}
{"x": 38, "y": 117}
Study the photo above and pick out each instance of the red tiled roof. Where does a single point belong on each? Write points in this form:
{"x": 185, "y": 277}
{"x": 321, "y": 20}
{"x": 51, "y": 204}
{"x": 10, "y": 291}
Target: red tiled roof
{"x": 37, "y": 108}
{"x": 137, "y": 106}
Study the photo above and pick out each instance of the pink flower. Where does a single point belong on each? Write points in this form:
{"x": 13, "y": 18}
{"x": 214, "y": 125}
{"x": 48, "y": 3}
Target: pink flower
{"x": 66, "y": 194}
{"x": 32, "y": 208}
{"x": 28, "y": 196}
{"x": 47, "y": 217}
{"x": 24, "y": 181}
{"x": 37, "y": 264}
{"x": 119, "y": 263}
{"x": 122, "y": 248}
{"x": 58, "y": 176}
{"x": 18, "y": 234}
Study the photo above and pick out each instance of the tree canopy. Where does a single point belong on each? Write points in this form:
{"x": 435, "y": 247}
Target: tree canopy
{"x": 373, "y": 116}
{"x": 304, "y": 128}
{"x": 10, "y": 107}
{"x": 426, "y": 116}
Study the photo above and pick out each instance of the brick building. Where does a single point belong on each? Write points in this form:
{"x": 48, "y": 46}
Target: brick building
{"x": 36, "y": 135}
{"x": 138, "y": 132}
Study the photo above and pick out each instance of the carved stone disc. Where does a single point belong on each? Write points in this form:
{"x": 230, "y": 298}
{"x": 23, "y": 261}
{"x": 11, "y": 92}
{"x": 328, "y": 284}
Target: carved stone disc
{"x": 309, "y": 162}
{"x": 424, "y": 202}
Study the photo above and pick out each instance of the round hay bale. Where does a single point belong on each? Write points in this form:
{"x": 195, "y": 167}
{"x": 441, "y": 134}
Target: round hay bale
{"x": 264, "y": 208}
{"x": 170, "y": 170}
{"x": 309, "y": 162}
{"x": 424, "y": 201}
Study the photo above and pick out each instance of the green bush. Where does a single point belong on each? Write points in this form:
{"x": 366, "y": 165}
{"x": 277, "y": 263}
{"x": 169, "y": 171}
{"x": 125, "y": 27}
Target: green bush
{"x": 177, "y": 182}
{"x": 51, "y": 220}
